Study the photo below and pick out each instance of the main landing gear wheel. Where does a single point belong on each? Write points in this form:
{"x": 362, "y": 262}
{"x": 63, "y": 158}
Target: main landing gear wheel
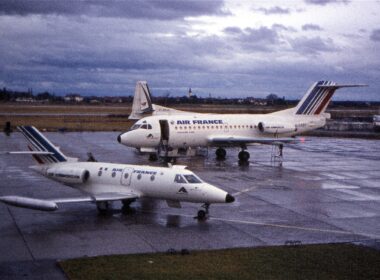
{"x": 153, "y": 157}
{"x": 220, "y": 154}
{"x": 203, "y": 214}
{"x": 103, "y": 207}
{"x": 126, "y": 208}
{"x": 244, "y": 156}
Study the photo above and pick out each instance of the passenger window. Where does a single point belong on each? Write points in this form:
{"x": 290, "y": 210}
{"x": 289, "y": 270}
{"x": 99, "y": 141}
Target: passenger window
{"x": 192, "y": 179}
{"x": 139, "y": 176}
{"x": 100, "y": 173}
{"x": 126, "y": 175}
{"x": 152, "y": 178}
{"x": 113, "y": 174}
{"x": 179, "y": 179}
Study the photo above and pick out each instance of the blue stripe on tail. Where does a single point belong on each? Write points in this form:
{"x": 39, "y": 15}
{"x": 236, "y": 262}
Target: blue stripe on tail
{"x": 311, "y": 96}
{"x": 43, "y": 144}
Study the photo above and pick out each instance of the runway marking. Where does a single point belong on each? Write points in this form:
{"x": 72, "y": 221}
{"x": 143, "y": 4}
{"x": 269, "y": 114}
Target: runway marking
{"x": 244, "y": 191}
{"x": 373, "y": 236}
{"x": 360, "y": 196}
{"x": 272, "y": 225}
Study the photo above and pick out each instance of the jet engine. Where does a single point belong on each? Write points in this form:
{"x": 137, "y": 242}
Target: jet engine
{"x": 69, "y": 174}
{"x": 273, "y": 128}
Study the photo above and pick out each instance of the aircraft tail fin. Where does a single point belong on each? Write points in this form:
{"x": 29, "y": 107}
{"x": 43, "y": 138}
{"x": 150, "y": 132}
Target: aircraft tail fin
{"x": 142, "y": 101}
{"x": 318, "y": 97}
{"x": 44, "y": 150}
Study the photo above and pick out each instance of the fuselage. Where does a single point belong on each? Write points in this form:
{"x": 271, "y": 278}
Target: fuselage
{"x": 172, "y": 183}
{"x": 183, "y": 131}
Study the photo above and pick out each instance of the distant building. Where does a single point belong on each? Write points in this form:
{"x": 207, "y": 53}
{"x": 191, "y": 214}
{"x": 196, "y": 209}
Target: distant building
{"x": 73, "y": 98}
{"x": 25, "y": 99}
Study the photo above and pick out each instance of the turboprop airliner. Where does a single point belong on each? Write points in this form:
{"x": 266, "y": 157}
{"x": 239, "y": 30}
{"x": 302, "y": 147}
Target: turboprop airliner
{"x": 171, "y": 133}
{"x": 102, "y": 182}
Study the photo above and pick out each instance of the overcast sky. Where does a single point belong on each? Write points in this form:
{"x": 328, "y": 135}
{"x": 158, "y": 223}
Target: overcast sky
{"x": 224, "y": 48}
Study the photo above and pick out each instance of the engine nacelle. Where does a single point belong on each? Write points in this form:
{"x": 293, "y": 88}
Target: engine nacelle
{"x": 69, "y": 174}
{"x": 275, "y": 128}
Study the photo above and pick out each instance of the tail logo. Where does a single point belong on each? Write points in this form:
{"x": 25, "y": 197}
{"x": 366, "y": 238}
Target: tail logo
{"x": 38, "y": 142}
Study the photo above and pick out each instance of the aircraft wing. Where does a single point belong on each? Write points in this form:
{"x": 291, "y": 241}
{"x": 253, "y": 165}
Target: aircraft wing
{"x": 26, "y": 153}
{"x": 51, "y": 204}
{"x": 241, "y": 140}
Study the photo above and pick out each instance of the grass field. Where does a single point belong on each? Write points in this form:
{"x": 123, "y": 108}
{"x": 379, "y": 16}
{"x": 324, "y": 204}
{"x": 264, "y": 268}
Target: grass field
{"x": 327, "y": 261}
{"x": 116, "y": 119}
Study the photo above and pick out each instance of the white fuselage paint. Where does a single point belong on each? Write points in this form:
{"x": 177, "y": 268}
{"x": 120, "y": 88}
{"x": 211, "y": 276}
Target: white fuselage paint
{"x": 143, "y": 181}
{"x": 196, "y": 130}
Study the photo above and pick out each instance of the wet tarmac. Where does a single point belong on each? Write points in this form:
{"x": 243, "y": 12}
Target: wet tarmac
{"x": 326, "y": 190}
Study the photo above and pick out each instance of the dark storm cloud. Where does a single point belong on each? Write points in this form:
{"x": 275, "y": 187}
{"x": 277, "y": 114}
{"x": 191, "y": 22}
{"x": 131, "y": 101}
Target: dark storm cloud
{"x": 313, "y": 46}
{"x": 154, "y": 9}
{"x": 273, "y": 10}
{"x": 312, "y": 27}
{"x": 325, "y": 2}
{"x": 254, "y": 39}
{"x": 375, "y": 35}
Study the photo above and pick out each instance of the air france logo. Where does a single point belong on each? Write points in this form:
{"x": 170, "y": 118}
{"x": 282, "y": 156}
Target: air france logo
{"x": 182, "y": 190}
{"x": 188, "y": 122}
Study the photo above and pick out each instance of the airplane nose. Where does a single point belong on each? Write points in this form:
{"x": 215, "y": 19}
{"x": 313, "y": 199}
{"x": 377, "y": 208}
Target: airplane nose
{"x": 119, "y": 138}
{"x": 229, "y": 198}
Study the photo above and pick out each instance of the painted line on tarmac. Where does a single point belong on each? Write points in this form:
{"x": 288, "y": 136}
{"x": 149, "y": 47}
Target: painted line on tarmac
{"x": 297, "y": 227}
{"x": 244, "y": 191}
{"x": 277, "y": 225}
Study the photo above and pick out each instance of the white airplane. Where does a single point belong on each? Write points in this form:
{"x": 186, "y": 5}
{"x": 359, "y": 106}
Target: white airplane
{"x": 172, "y": 133}
{"x": 103, "y": 182}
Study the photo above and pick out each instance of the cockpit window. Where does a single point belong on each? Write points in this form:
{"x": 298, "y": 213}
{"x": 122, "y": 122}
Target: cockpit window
{"x": 179, "y": 179}
{"x": 135, "y": 126}
{"x": 146, "y": 126}
{"x": 192, "y": 179}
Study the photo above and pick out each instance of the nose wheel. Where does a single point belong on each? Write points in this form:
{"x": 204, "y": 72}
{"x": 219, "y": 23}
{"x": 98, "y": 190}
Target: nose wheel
{"x": 202, "y": 215}
{"x": 220, "y": 154}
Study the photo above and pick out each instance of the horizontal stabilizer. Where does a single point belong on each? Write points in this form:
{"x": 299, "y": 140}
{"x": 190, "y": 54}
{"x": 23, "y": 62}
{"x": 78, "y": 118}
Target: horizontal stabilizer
{"x": 26, "y": 153}
{"x": 343, "y": 86}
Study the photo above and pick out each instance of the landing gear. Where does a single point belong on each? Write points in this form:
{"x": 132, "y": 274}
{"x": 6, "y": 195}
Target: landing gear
{"x": 153, "y": 157}
{"x": 277, "y": 154}
{"x": 203, "y": 214}
{"x": 244, "y": 156}
{"x": 103, "y": 207}
{"x": 220, "y": 154}
{"x": 126, "y": 209}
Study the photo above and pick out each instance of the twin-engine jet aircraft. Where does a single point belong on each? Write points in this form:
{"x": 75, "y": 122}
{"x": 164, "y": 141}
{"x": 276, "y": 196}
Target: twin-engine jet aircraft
{"x": 103, "y": 182}
{"x": 171, "y": 133}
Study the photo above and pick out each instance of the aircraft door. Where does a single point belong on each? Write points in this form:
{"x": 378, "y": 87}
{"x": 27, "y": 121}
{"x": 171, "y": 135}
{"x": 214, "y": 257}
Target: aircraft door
{"x": 126, "y": 176}
{"x": 164, "y": 127}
